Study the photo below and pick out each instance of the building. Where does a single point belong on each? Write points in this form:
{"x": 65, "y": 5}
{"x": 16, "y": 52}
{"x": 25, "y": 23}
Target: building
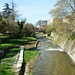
{"x": 64, "y": 20}
{"x": 50, "y": 21}
{"x": 39, "y": 22}
{"x": 42, "y": 22}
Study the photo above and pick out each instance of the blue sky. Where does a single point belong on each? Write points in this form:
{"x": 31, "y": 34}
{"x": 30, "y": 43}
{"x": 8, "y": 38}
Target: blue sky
{"x": 32, "y": 10}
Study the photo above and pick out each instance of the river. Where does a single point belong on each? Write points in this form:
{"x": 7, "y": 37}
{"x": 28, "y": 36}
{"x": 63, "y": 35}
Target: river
{"x": 53, "y": 60}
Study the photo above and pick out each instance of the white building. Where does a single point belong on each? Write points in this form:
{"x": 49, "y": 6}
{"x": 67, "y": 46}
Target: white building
{"x": 50, "y": 21}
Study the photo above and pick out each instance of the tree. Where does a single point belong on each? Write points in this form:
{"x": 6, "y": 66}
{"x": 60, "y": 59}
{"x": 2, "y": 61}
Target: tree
{"x": 65, "y": 9}
{"x": 10, "y": 11}
{"x": 21, "y": 23}
{"x": 43, "y": 29}
{"x": 6, "y": 11}
{"x": 5, "y": 16}
{"x": 3, "y": 25}
{"x": 14, "y": 13}
{"x": 3, "y": 22}
{"x": 28, "y": 29}
{"x": 49, "y": 29}
{"x": 12, "y": 27}
{"x": 8, "y": 19}
{"x": 0, "y": 16}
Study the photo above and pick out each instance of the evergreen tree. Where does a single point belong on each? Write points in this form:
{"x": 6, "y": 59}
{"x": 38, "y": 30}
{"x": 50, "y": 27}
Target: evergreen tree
{"x": 6, "y": 11}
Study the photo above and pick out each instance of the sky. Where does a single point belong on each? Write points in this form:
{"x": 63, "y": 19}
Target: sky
{"x": 32, "y": 10}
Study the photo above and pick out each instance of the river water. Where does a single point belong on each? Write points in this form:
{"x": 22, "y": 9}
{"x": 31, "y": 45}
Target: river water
{"x": 53, "y": 61}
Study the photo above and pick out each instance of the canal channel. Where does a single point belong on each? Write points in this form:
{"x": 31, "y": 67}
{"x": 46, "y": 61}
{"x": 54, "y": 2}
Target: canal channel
{"x": 53, "y": 60}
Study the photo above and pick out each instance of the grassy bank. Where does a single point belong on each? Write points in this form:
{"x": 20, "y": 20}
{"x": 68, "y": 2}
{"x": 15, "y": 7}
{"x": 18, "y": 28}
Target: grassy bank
{"x": 6, "y": 62}
{"x": 40, "y": 33}
{"x": 2, "y": 36}
{"x": 30, "y": 58}
{"x": 16, "y": 42}
{"x": 30, "y": 54}
{"x": 72, "y": 37}
{"x": 48, "y": 36}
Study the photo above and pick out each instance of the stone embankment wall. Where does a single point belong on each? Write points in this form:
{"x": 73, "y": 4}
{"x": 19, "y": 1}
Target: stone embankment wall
{"x": 66, "y": 44}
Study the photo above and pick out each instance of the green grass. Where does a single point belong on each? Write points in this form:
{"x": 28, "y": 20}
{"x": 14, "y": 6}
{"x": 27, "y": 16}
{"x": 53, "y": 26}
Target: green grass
{"x": 72, "y": 37}
{"x": 6, "y": 72}
{"x": 40, "y": 33}
{"x": 2, "y": 36}
{"x": 32, "y": 38}
{"x": 49, "y": 36}
{"x": 30, "y": 57}
{"x": 29, "y": 54}
{"x": 30, "y": 44}
{"x": 16, "y": 42}
{"x": 10, "y": 55}
{"x": 8, "y": 60}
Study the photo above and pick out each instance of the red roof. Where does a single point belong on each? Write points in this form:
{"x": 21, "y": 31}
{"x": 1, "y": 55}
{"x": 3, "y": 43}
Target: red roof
{"x": 43, "y": 24}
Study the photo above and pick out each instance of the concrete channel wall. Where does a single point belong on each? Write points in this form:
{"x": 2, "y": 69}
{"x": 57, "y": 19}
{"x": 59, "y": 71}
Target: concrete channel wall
{"x": 66, "y": 44}
{"x": 18, "y": 66}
